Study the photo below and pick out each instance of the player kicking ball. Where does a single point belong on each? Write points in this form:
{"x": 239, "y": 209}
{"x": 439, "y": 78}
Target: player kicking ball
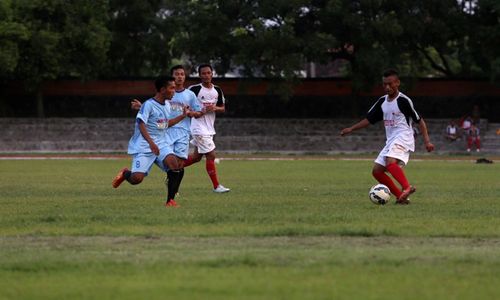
{"x": 397, "y": 112}
{"x": 149, "y": 144}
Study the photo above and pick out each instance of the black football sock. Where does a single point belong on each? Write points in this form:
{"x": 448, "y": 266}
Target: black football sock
{"x": 179, "y": 180}
{"x": 172, "y": 178}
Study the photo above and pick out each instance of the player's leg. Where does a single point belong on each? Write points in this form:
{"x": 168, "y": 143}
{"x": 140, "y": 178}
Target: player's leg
{"x": 177, "y": 153}
{"x": 378, "y": 172}
{"x": 141, "y": 165}
{"x": 212, "y": 173}
{"x": 206, "y": 146}
{"x": 395, "y": 157}
{"x": 175, "y": 173}
{"x": 193, "y": 158}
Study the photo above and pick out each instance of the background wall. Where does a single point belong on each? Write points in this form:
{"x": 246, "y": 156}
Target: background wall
{"x": 312, "y": 98}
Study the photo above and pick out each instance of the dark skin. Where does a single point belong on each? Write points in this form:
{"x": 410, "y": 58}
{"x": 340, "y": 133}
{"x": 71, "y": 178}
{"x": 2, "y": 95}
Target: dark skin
{"x": 391, "y": 87}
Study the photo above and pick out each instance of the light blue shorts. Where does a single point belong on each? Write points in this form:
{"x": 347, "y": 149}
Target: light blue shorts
{"x": 142, "y": 162}
{"x": 177, "y": 142}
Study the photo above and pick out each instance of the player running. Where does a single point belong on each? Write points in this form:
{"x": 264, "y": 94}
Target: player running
{"x": 178, "y": 135}
{"x": 397, "y": 111}
{"x": 202, "y": 128}
{"x": 149, "y": 144}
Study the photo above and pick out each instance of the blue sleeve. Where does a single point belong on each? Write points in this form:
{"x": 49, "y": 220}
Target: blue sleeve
{"x": 144, "y": 112}
{"x": 195, "y": 103}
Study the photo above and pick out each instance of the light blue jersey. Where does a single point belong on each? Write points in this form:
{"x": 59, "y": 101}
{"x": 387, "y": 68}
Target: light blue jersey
{"x": 155, "y": 117}
{"x": 181, "y": 99}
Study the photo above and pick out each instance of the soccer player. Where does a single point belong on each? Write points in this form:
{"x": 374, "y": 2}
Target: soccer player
{"x": 397, "y": 111}
{"x": 149, "y": 144}
{"x": 178, "y": 135}
{"x": 202, "y": 128}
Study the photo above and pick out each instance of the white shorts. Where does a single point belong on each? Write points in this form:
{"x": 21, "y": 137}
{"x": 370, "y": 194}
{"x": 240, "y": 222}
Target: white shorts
{"x": 393, "y": 150}
{"x": 204, "y": 143}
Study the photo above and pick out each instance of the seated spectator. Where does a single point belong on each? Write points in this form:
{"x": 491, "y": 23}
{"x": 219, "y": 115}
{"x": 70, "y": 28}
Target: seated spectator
{"x": 473, "y": 138}
{"x": 452, "y": 133}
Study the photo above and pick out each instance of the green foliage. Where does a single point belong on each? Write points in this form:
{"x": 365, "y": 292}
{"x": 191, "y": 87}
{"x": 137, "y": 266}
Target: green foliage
{"x": 11, "y": 34}
{"x": 53, "y": 39}
{"x": 65, "y": 39}
{"x": 141, "y": 33}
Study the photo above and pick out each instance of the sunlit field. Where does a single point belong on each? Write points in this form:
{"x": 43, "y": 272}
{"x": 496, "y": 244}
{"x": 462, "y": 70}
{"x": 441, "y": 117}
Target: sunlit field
{"x": 289, "y": 229}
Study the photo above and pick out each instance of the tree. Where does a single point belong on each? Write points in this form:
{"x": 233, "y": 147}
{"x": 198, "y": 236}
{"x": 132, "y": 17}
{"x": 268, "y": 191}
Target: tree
{"x": 11, "y": 34}
{"x": 65, "y": 39}
{"x": 141, "y": 33}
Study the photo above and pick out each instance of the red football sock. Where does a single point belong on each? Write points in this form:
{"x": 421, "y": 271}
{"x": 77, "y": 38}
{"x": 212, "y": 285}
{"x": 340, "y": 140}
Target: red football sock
{"x": 398, "y": 174}
{"x": 384, "y": 179}
{"x": 210, "y": 165}
{"x": 189, "y": 161}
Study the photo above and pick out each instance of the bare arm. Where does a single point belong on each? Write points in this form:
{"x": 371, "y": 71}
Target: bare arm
{"x": 185, "y": 112}
{"x": 361, "y": 124}
{"x": 135, "y": 104}
{"x": 195, "y": 114}
{"x": 215, "y": 108}
{"x": 147, "y": 137}
{"x": 425, "y": 134}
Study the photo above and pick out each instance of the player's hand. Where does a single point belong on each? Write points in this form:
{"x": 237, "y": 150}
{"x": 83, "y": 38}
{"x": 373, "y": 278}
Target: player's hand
{"x": 154, "y": 148}
{"x": 209, "y": 108}
{"x": 429, "y": 147}
{"x": 186, "y": 111}
{"x": 135, "y": 104}
{"x": 345, "y": 131}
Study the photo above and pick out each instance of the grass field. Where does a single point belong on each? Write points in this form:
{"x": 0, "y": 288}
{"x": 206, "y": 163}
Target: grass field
{"x": 299, "y": 229}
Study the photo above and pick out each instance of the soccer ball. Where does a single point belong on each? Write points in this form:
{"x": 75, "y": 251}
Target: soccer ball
{"x": 380, "y": 194}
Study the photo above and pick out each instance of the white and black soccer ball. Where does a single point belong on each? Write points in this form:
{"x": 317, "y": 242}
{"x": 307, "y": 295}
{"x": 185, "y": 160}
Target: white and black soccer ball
{"x": 380, "y": 194}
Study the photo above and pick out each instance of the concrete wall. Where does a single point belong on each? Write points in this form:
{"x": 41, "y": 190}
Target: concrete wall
{"x": 29, "y": 135}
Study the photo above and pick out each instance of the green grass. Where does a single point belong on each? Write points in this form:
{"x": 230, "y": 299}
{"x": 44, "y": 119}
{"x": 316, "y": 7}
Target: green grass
{"x": 301, "y": 229}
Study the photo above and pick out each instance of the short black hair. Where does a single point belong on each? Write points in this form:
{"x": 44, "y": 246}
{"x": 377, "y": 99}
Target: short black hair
{"x": 176, "y": 67}
{"x": 205, "y": 66}
{"x": 391, "y": 72}
{"x": 162, "y": 81}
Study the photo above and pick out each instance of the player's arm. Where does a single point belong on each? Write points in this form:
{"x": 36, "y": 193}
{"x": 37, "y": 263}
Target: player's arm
{"x": 185, "y": 112}
{"x": 425, "y": 134}
{"x": 196, "y": 110}
{"x": 195, "y": 114}
{"x": 135, "y": 104}
{"x": 220, "y": 106}
{"x": 374, "y": 115}
{"x": 147, "y": 137}
{"x": 361, "y": 124}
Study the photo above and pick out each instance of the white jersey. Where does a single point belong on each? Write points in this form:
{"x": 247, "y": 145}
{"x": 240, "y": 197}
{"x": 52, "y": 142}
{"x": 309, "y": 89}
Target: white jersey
{"x": 397, "y": 115}
{"x": 208, "y": 97}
